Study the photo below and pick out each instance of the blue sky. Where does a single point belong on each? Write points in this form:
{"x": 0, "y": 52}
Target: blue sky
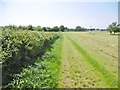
{"x": 70, "y": 14}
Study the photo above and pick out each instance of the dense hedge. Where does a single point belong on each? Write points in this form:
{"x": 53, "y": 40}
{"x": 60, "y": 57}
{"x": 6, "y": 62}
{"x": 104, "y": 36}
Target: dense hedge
{"x": 22, "y": 48}
{"x": 43, "y": 74}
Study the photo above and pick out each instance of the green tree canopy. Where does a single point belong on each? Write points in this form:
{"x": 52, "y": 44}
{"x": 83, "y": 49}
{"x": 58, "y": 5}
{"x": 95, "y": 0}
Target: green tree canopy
{"x": 55, "y": 28}
{"x": 78, "y": 28}
{"x": 114, "y": 27}
{"x": 62, "y": 28}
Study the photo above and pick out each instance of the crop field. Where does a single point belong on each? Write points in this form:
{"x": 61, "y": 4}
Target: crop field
{"x": 60, "y": 60}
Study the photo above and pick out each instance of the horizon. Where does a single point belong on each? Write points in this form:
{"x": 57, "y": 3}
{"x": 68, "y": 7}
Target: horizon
{"x": 52, "y": 26}
{"x": 49, "y": 14}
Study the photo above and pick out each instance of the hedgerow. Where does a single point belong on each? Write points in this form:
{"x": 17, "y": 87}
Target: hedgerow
{"x": 21, "y": 49}
{"x": 43, "y": 74}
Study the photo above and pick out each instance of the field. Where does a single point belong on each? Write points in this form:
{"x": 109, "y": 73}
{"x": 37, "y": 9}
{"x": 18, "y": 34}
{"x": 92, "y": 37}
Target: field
{"x": 89, "y": 60}
{"x": 73, "y": 60}
{"x": 59, "y": 45}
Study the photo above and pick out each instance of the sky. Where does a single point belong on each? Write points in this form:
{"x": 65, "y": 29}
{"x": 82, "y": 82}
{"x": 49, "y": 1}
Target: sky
{"x": 55, "y": 13}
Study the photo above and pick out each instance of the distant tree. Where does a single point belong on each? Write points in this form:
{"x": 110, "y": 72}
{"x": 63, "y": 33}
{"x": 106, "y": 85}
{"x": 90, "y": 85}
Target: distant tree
{"x": 78, "y": 28}
{"x": 44, "y": 29}
{"x": 20, "y": 27}
{"x": 83, "y": 29}
{"x": 114, "y": 27}
{"x": 55, "y": 28}
{"x": 48, "y": 29}
{"x": 30, "y": 27}
{"x": 97, "y": 29}
{"x": 93, "y": 29}
{"x": 25, "y": 27}
{"x": 71, "y": 29}
{"x": 38, "y": 28}
{"x": 62, "y": 28}
{"x": 66, "y": 29}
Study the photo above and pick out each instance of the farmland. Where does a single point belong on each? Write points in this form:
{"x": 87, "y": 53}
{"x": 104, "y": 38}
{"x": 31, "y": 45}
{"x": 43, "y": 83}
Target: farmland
{"x": 72, "y": 60}
{"x": 59, "y": 45}
{"x": 89, "y": 60}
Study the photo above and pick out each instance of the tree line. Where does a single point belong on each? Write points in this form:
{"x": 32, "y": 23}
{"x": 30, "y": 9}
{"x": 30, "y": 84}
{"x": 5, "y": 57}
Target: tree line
{"x": 112, "y": 28}
{"x": 61, "y": 28}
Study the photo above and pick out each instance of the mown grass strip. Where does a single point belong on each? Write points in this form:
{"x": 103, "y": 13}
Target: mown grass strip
{"x": 108, "y": 77}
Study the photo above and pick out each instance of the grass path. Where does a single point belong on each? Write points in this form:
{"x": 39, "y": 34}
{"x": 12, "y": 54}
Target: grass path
{"x": 79, "y": 69}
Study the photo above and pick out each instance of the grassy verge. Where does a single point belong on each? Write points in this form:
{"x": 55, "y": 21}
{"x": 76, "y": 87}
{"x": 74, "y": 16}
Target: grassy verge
{"x": 44, "y": 74}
